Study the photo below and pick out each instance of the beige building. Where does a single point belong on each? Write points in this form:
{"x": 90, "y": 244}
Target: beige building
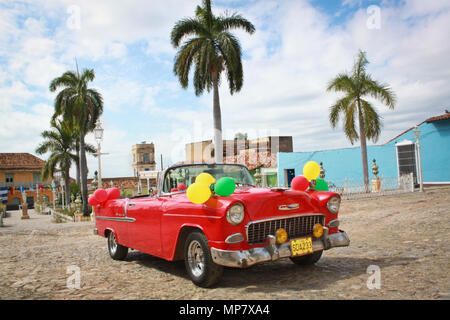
{"x": 143, "y": 157}
{"x": 22, "y": 170}
{"x": 204, "y": 151}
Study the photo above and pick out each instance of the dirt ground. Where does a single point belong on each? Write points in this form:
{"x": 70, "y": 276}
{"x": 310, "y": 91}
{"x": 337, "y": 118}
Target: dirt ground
{"x": 405, "y": 237}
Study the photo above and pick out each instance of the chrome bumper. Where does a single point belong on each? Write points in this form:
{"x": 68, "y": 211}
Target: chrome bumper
{"x": 272, "y": 252}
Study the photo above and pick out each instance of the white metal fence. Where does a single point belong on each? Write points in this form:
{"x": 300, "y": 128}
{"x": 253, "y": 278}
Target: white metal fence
{"x": 355, "y": 188}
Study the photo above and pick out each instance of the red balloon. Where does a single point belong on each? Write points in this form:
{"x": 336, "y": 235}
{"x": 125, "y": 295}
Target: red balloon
{"x": 300, "y": 183}
{"x": 173, "y": 190}
{"x": 93, "y": 201}
{"x": 101, "y": 195}
{"x": 113, "y": 193}
{"x": 182, "y": 187}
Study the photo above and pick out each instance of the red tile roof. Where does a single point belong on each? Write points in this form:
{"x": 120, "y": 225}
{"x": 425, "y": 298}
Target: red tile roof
{"x": 20, "y": 161}
{"x": 441, "y": 117}
{"x": 432, "y": 119}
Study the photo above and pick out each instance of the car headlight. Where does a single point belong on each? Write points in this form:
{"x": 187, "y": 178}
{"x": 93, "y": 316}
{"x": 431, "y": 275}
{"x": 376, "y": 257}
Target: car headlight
{"x": 235, "y": 215}
{"x": 333, "y": 204}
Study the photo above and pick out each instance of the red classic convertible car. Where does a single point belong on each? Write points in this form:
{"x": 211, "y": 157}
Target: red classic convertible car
{"x": 250, "y": 226}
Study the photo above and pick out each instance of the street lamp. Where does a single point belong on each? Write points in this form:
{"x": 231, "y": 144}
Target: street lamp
{"x": 53, "y": 192}
{"x": 417, "y": 135}
{"x": 98, "y": 133}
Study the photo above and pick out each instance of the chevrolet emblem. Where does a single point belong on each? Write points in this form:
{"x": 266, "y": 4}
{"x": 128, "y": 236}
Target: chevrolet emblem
{"x": 285, "y": 207}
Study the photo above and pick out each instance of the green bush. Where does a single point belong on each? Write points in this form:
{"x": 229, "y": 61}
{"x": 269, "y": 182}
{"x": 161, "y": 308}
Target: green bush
{"x": 127, "y": 193}
{"x": 74, "y": 189}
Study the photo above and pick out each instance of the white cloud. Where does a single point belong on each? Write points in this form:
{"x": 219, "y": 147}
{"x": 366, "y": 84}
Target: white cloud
{"x": 295, "y": 51}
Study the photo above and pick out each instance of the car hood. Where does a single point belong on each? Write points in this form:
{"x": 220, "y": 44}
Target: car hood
{"x": 262, "y": 203}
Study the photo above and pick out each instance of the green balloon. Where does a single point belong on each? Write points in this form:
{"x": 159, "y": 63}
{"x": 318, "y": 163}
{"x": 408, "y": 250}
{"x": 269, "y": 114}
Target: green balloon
{"x": 321, "y": 185}
{"x": 224, "y": 186}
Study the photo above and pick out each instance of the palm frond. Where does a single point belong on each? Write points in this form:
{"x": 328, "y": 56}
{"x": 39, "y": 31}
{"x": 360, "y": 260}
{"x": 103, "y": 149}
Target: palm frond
{"x": 359, "y": 67}
{"x": 187, "y": 27}
{"x": 341, "y": 83}
{"x": 235, "y": 21}
{"x": 350, "y": 123}
{"x": 381, "y": 92}
{"x": 372, "y": 121}
{"x": 67, "y": 80}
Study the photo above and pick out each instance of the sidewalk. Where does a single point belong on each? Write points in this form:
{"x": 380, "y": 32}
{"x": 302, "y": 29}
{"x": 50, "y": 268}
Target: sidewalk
{"x": 13, "y": 223}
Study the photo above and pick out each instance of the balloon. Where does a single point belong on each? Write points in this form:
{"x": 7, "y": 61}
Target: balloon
{"x": 93, "y": 201}
{"x": 198, "y": 193}
{"x": 300, "y": 183}
{"x": 321, "y": 185}
{"x": 224, "y": 186}
{"x": 181, "y": 187}
{"x": 311, "y": 170}
{"x": 174, "y": 190}
{"x": 205, "y": 178}
{"x": 113, "y": 193}
{"x": 101, "y": 195}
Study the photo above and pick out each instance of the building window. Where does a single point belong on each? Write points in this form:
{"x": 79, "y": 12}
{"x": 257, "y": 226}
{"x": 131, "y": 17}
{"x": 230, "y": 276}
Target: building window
{"x": 9, "y": 177}
{"x": 406, "y": 156}
{"x": 36, "y": 177}
{"x": 146, "y": 158}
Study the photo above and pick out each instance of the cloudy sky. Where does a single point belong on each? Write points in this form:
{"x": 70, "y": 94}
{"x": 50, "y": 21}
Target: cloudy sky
{"x": 298, "y": 46}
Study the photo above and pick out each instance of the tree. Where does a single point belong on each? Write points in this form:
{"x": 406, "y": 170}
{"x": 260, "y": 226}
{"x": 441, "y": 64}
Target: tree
{"x": 213, "y": 49}
{"x": 353, "y": 107}
{"x": 59, "y": 141}
{"x": 80, "y": 107}
{"x": 241, "y": 136}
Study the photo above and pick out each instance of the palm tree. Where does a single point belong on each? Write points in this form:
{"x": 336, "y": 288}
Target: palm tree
{"x": 89, "y": 148}
{"x": 212, "y": 48}
{"x": 59, "y": 141}
{"x": 80, "y": 107}
{"x": 354, "y": 107}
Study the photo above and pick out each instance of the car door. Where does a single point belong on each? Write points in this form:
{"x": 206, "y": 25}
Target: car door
{"x": 144, "y": 233}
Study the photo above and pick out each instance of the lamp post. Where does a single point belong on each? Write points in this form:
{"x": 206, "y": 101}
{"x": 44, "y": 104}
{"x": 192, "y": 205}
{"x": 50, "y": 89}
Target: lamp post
{"x": 53, "y": 192}
{"x": 417, "y": 135}
{"x": 98, "y": 133}
{"x": 63, "y": 185}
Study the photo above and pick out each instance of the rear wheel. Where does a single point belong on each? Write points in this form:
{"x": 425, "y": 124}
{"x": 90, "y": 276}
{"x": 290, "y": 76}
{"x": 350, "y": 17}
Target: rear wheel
{"x": 198, "y": 261}
{"x": 308, "y": 259}
{"x": 116, "y": 251}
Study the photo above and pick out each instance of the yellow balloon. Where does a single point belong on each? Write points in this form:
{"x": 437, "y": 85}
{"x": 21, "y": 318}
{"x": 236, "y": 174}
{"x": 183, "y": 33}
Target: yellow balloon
{"x": 311, "y": 170}
{"x": 205, "y": 178}
{"x": 198, "y": 193}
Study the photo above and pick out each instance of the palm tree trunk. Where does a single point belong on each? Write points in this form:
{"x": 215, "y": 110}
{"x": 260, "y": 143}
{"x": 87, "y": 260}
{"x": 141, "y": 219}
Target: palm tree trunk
{"x": 362, "y": 139}
{"x": 218, "y": 142}
{"x": 67, "y": 182}
{"x": 83, "y": 171}
{"x": 77, "y": 165}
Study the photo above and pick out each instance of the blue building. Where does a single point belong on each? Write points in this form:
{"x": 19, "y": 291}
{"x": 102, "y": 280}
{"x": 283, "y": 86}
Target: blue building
{"x": 396, "y": 157}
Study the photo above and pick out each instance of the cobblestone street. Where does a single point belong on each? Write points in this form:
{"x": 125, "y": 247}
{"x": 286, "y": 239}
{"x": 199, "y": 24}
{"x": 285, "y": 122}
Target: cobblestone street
{"x": 406, "y": 236}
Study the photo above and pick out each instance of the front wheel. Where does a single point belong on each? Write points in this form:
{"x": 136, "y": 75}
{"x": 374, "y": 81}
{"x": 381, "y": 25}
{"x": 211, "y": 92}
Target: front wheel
{"x": 198, "y": 261}
{"x": 308, "y": 259}
{"x": 116, "y": 251}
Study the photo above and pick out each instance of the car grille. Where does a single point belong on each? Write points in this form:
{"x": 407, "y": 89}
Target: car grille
{"x": 297, "y": 226}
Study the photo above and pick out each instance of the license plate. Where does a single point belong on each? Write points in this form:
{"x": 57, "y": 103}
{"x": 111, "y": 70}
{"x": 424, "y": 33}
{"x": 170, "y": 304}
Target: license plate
{"x": 302, "y": 246}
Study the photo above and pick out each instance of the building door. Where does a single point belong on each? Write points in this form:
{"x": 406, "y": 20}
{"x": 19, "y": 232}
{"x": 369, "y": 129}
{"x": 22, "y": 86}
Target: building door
{"x": 36, "y": 178}
{"x": 289, "y": 174}
{"x": 406, "y": 157}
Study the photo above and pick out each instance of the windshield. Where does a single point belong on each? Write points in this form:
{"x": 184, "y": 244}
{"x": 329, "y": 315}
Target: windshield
{"x": 186, "y": 175}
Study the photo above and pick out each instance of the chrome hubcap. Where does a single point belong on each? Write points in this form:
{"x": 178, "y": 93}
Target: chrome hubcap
{"x": 112, "y": 243}
{"x": 196, "y": 259}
